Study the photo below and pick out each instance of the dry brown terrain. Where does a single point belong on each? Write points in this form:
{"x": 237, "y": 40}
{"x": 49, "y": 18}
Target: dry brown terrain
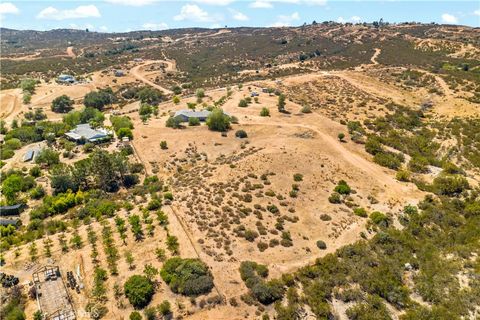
{"x": 223, "y": 184}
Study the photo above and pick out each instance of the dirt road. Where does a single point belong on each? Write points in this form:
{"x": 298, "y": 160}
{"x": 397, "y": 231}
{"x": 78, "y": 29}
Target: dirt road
{"x": 70, "y": 53}
{"x": 375, "y": 56}
{"x": 138, "y": 74}
{"x": 10, "y": 104}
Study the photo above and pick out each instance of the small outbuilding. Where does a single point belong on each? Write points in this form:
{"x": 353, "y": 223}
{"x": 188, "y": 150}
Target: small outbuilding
{"x": 119, "y": 73}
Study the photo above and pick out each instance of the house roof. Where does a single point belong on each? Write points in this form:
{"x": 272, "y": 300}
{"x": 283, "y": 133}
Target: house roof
{"x": 86, "y": 131}
{"x": 11, "y": 210}
{"x": 192, "y": 113}
{"x": 6, "y": 222}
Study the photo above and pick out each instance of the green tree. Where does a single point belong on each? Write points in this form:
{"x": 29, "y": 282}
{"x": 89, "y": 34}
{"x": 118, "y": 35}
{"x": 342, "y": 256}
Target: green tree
{"x": 99, "y": 99}
{"x": 62, "y": 104}
{"x": 48, "y": 156}
{"x": 218, "y": 121}
{"x": 150, "y": 95}
{"x": 193, "y": 121}
{"x": 11, "y": 186}
{"x": 28, "y": 85}
{"x": 265, "y": 112}
{"x": 130, "y": 260}
{"x": 150, "y": 271}
{"x": 173, "y": 122}
{"x": 200, "y": 93}
{"x": 135, "y": 315}
{"x": 125, "y": 132}
{"x": 164, "y": 308}
{"x": 189, "y": 277}
{"x": 139, "y": 290}
{"x": 243, "y": 103}
{"x": 281, "y": 103}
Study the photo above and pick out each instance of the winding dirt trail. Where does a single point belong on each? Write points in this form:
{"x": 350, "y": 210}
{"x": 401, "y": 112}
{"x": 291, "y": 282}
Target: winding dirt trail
{"x": 138, "y": 74}
{"x": 375, "y": 56}
{"x": 10, "y": 104}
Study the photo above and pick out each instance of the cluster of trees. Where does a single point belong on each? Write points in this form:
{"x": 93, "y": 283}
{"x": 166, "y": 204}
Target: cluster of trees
{"x": 254, "y": 275}
{"x": 218, "y": 121}
{"x": 14, "y": 182}
{"x": 146, "y": 95}
{"x": 99, "y": 99}
{"x": 370, "y": 272}
{"x": 62, "y": 104}
{"x": 87, "y": 115}
{"x": 28, "y": 88}
{"x": 123, "y": 126}
{"x": 101, "y": 170}
{"x": 190, "y": 277}
{"x": 27, "y": 133}
{"x": 37, "y": 115}
{"x": 139, "y": 290}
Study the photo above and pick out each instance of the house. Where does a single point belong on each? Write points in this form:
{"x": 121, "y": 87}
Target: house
{"x": 14, "y": 210}
{"x": 85, "y": 133}
{"x": 119, "y": 73}
{"x": 185, "y": 115}
{"x": 254, "y": 94}
{"x": 66, "y": 78}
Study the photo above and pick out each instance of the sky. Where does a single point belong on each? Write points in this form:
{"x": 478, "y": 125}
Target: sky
{"x": 130, "y": 15}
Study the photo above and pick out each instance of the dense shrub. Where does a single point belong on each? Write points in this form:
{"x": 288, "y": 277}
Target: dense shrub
{"x": 265, "y": 112}
{"x": 173, "y": 122}
{"x": 450, "y": 184}
{"x": 99, "y": 99}
{"x": 379, "y": 218}
{"x": 62, "y": 104}
{"x": 189, "y": 277}
{"x": 218, "y": 121}
{"x": 335, "y": 198}
{"x": 321, "y": 245}
{"x": 361, "y": 212}
{"x": 241, "y": 134}
{"x": 48, "y": 156}
{"x": 139, "y": 290}
{"x": 388, "y": 159}
{"x": 343, "y": 188}
{"x": 193, "y": 121}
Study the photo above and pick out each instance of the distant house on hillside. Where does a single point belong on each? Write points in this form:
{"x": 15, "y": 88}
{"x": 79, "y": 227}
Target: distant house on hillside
{"x": 85, "y": 133}
{"x": 66, "y": 78}
{"x": 185, "y": 115}
{"x": 119, "y": 73}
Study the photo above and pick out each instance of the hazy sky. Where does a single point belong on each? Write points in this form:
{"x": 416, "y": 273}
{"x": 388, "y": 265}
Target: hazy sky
{"x": 127, "y": 15}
